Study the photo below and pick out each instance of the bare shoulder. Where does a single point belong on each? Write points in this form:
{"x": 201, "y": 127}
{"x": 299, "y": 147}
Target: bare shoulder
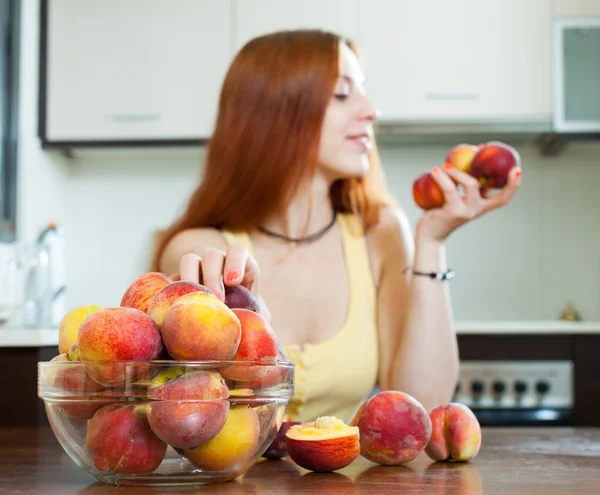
{"x": 390, "y": 241}
{"x": 190, "y": 241}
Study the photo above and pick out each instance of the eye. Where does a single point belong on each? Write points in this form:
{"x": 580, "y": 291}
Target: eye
{"x": 341, "y": 96}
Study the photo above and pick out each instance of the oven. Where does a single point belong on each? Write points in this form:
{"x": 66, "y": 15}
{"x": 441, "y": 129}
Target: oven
{"x": 518, "y": 393}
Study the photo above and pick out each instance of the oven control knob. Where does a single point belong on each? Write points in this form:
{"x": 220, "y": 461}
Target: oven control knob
{"x": 520, "y": 387}
{"x": 477, "y": 386}
{"x": 498, "y": 387}
{"x": 542, "y": 387}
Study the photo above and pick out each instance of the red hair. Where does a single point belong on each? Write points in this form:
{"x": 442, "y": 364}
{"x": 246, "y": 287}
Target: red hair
{"x": 267, "y": 133}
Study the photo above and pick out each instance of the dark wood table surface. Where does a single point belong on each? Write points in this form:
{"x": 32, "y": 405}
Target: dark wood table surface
{"x": 512, "y": 461}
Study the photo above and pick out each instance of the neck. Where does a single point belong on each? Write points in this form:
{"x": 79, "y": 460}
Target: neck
{"x": 309, "y": 211}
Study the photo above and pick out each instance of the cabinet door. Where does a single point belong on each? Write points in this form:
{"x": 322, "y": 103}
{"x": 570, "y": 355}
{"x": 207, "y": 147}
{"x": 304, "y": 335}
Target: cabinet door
{"x": 576, "y": 8}
{"x": 463, "y": 60}
{"x": 136, "y": 69}
{"x": 256, "y": 17}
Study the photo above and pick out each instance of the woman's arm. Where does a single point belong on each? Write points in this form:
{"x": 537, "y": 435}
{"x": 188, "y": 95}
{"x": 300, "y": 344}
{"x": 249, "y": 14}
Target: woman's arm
{"x": 418, "y": 350}
{"x": 418, "y": 345}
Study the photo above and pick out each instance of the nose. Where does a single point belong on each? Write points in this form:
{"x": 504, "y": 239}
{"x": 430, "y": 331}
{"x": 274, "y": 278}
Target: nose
{"x": 368, "y": 112}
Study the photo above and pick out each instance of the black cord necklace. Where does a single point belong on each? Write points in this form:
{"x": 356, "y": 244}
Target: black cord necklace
{"x": 299, "y": 240}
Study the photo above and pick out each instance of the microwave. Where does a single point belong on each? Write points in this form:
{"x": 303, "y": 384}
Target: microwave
{"x": 576, "y": 75}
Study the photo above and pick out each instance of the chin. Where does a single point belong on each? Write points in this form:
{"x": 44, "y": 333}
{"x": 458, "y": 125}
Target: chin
{"x": 351, "y": 167}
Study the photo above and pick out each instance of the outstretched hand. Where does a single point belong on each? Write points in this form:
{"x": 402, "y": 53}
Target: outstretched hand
{"x": 438, "y": 223}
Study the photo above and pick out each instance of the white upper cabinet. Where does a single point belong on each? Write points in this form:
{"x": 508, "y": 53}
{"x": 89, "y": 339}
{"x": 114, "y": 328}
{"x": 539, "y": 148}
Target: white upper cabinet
{"x": 576, "y": 8}
{"x": 256, "y": 17}
{"x": 432, "y": 60}
{"x": 134, "y": 70}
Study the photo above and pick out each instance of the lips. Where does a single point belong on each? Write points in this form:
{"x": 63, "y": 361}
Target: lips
{"x": 362, "y": 140}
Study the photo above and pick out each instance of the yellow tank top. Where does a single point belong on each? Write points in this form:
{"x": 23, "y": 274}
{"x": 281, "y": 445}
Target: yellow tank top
{"x": 334, "y": 377}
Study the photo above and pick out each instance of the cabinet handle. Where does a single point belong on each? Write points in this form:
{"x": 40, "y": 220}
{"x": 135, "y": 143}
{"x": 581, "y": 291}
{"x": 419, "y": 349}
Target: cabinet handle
{"x": 128, "y": 117}
{"x": 452, "y": 95}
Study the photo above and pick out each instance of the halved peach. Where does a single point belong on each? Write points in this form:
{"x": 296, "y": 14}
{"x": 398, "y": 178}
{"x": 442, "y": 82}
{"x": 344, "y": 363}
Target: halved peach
{"x": 326, "y": 444}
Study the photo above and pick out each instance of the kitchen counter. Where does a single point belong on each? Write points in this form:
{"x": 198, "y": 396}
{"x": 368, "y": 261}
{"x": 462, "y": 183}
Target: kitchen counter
{"x": 46, "y": 337}
{"x": 527, "y": 327}
{"x": 49, "y": 337}
{"x": 511, "y": 461}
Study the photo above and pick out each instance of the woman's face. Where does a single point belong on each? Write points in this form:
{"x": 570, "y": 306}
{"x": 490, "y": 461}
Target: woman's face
{"x": 347, "y": 127}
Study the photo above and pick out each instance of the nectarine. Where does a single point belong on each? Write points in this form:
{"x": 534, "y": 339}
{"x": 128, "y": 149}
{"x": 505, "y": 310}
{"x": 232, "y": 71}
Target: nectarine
{"x": 493, "y": 162}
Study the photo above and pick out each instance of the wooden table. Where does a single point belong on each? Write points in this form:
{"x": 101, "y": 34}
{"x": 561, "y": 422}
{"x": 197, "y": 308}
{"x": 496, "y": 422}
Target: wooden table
{"x": 512, "y": 461}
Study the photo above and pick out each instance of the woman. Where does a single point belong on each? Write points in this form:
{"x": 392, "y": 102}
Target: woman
{"x": 292, "y": 185}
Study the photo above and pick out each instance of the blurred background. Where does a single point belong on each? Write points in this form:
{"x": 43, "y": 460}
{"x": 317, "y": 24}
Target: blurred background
{"x": 107, "y": 104}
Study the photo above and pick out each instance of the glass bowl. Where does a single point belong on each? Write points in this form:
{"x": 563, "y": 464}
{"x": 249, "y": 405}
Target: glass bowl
{"x": 165, "y": 422}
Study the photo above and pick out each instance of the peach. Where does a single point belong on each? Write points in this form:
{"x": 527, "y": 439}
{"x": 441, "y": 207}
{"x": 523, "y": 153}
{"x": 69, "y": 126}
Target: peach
{"x": 461, "y": 156}
{"x": 394, "y": 428}
{"x": 119, "y": 439}
{"x": 74, "y": 382}
{"x": 233, "y": 447}
{"x": 198, "y": 326}
{"x": 117, "y": 334}
{"x": 73, "y": 353}
{"x": 493, "y": 162}
{"x": 238, "y": 296}
{"x": 324, "y": 445}
{"x": 258, "y": 343}
{"x": 69, "y": 325}
{"x": 143, "y": 289}
{"x": 456, "y": 433}
{"x": 275, "y": 376}
{"x": 158, "y": 307}
{"x": 187, "y": 410}
{"x": 426, "y": 192}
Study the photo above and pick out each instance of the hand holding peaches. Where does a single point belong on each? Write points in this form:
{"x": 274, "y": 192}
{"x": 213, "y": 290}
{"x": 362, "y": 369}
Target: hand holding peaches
{"x": 477, "y": 169}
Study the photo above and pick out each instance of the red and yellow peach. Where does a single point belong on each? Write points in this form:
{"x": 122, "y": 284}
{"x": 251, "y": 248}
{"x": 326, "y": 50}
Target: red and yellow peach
{"x": 456, "y": 433}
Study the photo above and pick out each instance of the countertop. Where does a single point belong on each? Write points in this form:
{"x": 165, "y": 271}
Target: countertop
{"x": 549, "y": 461}
{"x": 49, "y": 337}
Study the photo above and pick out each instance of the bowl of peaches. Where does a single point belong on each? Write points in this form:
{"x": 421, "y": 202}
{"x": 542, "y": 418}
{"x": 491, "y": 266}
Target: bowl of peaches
{"x": 172, "y": 387}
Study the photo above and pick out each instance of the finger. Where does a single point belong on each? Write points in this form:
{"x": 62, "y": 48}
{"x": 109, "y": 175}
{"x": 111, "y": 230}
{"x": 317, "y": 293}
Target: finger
{"x": 506, "y": 193}
{"x": 235, "y": 264}
{"x": 471, "y": 187}
{"x": 189, "y": 267}
{"x": 212, "y": 270}
{"x": 448, "y": 187}
{"x": 251, "y": 278}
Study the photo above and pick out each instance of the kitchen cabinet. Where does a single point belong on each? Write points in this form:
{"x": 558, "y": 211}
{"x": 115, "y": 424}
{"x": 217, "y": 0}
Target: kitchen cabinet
{"x": 256, "y": 17}
{"x": 464, "y": 60}
{"x": 134, "y": 71}
{"x": 576, "y": 8}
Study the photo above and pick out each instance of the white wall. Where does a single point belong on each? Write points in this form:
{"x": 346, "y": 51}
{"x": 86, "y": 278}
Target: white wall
{"x": 41, "y": 178}
{"x": 522, "y": 262}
